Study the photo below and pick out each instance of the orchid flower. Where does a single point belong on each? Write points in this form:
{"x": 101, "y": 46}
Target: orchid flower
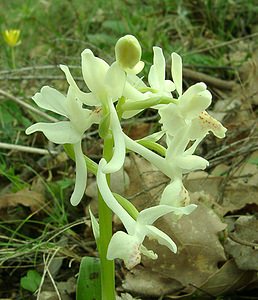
{"x": 176, "y": 162}
{"x": 66, "y": 132}
{"x": 128, "y": 246}
{"x": 190, "y": 109}
{"x": 106, "y": 84}
{"x": 159, "y": 86}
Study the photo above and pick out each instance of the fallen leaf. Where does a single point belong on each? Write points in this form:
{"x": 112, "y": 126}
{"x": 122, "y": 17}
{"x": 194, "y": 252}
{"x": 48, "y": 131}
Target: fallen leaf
{"x": 242, "y": 243}
{"x": 227, "y": 279}
{"x": 26, "y": 197}
{"x": 138, "y": 130}
{"x": 153, "y": 282}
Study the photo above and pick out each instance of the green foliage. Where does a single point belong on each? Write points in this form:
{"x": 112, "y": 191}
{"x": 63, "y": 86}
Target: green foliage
{"x": 9, "y": 173}
{"x": 11, "y": 115}
{"x": 89, "y": 283}
{"x": 31, "y": 281}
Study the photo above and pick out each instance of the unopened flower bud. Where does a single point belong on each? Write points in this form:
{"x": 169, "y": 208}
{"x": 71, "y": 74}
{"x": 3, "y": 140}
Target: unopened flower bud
{"x": 128, "y": 54}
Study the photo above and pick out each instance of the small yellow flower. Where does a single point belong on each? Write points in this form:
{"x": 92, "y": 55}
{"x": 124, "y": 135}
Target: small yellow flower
{"x": 11, "y": 37}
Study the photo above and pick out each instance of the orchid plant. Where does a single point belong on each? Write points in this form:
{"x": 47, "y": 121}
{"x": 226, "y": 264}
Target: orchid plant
{"x": 116, "y": 93}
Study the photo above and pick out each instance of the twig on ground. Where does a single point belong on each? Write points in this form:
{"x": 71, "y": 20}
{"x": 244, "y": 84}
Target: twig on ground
{"x": 27, "y": 149}
{"x": 47, "y": 67}
{"x": 210, "y": 80}
{"x": 28, "y": 106}
{"x": 47, "y": 263}
{"x": 237, "y": 240}
{"x": 36, "y": 77}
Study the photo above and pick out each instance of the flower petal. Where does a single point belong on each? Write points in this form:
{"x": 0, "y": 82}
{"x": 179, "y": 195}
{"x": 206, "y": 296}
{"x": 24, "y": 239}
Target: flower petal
{"x": 194, "y": 100}
{"x": 135, "y": 81}
{"x": 194, "y": 106}
{"x": 110, "y": 200}
{"x": 52, "y": 100}
{"x": 149, "y": 215}
{"x": 86, "y": 98}
{"x": 115, "y": 81}
{"x": 60, "y": 133}
{"x": 171, "y": 119}
{"x": 136, "y": 69}
{"x": 152, "y": 157}
{"x": 118, "y": 157}
{"x": 128, "y": 53}
{"x": 169, "y": 86}
{"x": 175, "y": 194}
{"x": 81, "y": 175}
{"x": 161, "y": 237}
{"x": 81, "y": 118}
{"x": 94, "y": 72}
{"x": 125, "y": 247}
{"x": 176, "y": 71}
{"x": 149, "y": 253}
{"x": 156, "y": 76}
{"x": 131, "y": 92}
{"x": 191, "y": 162}
{"x": 205, "y": 123}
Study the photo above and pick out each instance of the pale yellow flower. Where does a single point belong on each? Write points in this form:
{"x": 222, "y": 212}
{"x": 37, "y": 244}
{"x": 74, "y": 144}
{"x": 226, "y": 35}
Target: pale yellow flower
{"x": 12, "y": 37}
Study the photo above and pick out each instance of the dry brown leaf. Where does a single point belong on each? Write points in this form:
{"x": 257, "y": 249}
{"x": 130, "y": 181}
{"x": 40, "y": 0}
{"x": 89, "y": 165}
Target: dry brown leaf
{"x": 227, "y": 279}
{"x": 26, "y": 197}
{"x": 238, "y": 191}
{"x": 154, "y": 283}
{"x": 138, "y": 130}
{"x": 242, "y": 243}
{"x": 249, "y": 77}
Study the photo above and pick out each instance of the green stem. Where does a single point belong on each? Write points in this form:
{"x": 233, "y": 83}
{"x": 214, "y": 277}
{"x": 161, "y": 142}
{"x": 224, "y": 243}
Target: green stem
{"x": 105, "y": 229}
{"x": 13, "y": 57}
{"x": 105, "y": 224}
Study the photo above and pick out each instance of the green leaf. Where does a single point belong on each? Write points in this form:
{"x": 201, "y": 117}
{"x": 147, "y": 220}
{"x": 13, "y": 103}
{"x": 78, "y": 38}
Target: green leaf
{"x": 127, "y": 205}
{"x": 31, "y": 281}
{"x": 89, "y": 280}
